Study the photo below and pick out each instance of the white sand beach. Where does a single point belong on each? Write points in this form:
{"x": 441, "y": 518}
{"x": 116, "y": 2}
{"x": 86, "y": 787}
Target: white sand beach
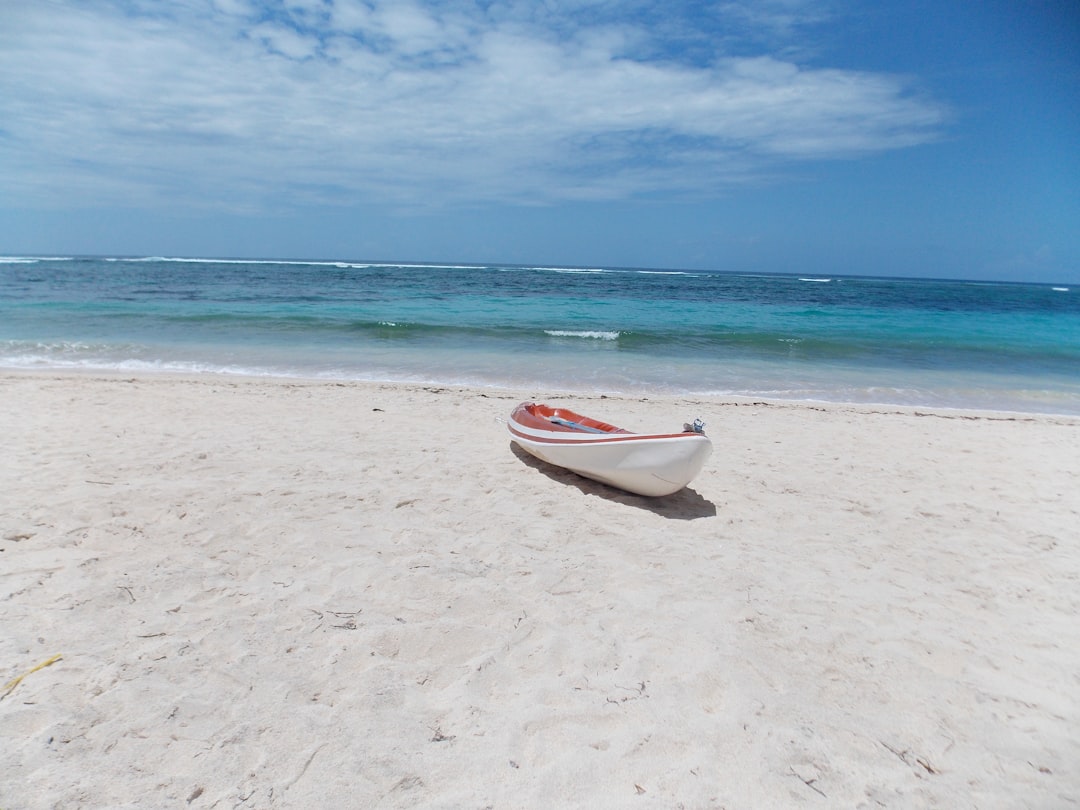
{"x": 326, "y": 595}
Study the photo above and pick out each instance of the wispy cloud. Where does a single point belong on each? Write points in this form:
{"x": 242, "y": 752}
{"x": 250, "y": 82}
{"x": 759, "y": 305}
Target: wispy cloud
{"x": 249, "y": 104}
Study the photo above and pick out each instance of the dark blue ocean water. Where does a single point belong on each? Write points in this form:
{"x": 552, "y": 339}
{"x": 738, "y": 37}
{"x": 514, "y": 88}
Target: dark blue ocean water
{"x": 850, "y": 339}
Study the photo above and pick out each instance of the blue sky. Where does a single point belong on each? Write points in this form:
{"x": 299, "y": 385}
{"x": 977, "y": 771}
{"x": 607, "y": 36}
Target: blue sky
{"x": 889, "y": 138}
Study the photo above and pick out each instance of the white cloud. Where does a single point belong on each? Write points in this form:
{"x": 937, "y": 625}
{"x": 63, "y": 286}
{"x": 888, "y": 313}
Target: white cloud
{"x": 281, "y": 39}
{"x": 228, "y": 103}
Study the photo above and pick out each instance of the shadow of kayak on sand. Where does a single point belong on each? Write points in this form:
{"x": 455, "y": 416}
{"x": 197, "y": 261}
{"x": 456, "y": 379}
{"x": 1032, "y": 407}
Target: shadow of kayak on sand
{"x": 686, "y": 504}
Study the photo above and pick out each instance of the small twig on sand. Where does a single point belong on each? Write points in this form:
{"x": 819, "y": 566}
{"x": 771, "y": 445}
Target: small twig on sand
{"x": 808, "y": 782}
{"x": 906, "y": 756}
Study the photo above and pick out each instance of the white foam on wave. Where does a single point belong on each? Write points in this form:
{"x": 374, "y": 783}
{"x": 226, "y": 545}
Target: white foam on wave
{"x": 1060, "y": 289}
{"x": 186, "y": 260}
{"x": 665, "y": 273}
{"x": 296, "y": 262}
{"x": 572, "y": 269}
{"x": 432, "y": 266}
{"x": 614, "y": 270}
{"x": 74, "y": 362}
{"x": 19, "y": 351}
{"x": 32, "y": 259}
{"x": 585, "y": 333}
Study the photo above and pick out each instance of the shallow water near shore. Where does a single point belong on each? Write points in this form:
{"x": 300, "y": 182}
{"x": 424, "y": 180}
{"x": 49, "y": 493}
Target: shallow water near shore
{"x": 842, "y": 339}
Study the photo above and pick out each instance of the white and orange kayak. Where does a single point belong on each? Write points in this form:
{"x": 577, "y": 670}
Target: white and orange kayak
{"x": 646, "y": 464}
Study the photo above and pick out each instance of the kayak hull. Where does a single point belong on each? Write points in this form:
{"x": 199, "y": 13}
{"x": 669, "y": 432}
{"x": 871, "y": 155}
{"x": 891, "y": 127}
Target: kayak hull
{"x": 645, "y": 464}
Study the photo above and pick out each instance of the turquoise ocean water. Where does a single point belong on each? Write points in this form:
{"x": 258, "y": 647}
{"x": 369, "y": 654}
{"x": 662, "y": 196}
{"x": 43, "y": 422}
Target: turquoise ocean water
{"x": 841, "y": 339}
